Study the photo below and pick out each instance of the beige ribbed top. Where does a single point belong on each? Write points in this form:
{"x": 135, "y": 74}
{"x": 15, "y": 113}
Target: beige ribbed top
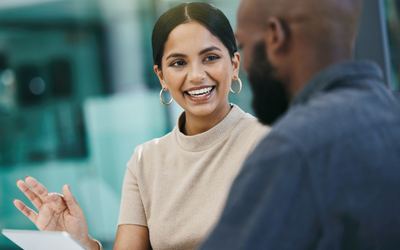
{"x": 177, "y": 185}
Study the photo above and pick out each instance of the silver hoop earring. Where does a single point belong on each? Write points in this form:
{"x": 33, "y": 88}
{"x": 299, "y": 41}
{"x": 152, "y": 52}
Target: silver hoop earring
{"x": 240, "y": 86}
{"x": 166, "y": 104}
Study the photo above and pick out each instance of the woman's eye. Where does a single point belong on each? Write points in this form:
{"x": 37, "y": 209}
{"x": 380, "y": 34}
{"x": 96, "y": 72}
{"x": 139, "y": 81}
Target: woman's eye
{"x": 212, "y": 58}
{"x": 178, "y": 63}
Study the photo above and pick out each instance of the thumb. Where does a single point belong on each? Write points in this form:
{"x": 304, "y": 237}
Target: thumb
{"x": 71, "y": 202}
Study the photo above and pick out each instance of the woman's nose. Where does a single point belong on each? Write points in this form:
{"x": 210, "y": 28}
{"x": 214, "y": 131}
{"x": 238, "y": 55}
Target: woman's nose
{"x": 197, "y": 73}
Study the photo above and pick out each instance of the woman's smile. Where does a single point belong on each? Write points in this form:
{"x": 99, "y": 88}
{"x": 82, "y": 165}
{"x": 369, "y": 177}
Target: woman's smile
{"x": 199, "y": 94}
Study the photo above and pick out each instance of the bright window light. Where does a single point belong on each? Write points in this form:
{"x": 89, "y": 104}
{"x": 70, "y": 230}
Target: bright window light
{"x": 8, "y": 4}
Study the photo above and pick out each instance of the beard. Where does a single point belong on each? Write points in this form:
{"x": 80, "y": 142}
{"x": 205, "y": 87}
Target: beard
{"x": 270, "y": 96}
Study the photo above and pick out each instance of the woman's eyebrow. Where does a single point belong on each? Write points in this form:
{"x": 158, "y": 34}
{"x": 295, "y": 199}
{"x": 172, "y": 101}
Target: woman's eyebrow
{"x": 201, "y": 52}
{"x": 208, "y": 50}
{"x": 175, "y": 55}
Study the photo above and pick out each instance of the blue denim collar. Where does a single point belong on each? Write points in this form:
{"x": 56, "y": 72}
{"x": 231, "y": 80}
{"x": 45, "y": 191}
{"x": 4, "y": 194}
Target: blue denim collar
{"x": 339, "y": 72}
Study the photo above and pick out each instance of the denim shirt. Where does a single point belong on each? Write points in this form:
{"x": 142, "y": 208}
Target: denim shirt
{"x": 328, "y": 174}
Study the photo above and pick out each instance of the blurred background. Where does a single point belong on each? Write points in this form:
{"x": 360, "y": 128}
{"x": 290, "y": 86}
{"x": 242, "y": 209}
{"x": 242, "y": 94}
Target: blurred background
{"x": 78, "y": 94}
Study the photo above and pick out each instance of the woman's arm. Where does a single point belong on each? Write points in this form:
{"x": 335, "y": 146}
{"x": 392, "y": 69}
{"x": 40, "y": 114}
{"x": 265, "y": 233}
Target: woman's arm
{"x": 132, "y": 237}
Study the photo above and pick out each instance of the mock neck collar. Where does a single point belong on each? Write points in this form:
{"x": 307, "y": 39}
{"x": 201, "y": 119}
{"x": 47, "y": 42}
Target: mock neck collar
{"x": 205, "y": 140}
{"x": 337, "y": 73}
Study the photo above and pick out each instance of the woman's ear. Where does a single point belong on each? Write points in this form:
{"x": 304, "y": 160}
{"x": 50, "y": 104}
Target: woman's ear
{"x": 236, "y": 64}
{"x": 160, "y": 77}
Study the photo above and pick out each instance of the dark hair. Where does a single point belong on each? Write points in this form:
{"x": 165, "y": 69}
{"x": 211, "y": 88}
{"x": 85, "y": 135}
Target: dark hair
{"x": 206, "y": 14}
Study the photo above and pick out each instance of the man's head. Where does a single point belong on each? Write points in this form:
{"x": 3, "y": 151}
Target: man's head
{"x": 285, "y": 43}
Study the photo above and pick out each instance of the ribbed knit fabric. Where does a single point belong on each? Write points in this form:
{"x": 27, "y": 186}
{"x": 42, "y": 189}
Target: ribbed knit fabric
{"x": 177, "y": 185}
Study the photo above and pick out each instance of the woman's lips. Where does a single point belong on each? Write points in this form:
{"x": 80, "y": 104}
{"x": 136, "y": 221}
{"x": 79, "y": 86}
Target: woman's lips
{"x": 200, "y": 95}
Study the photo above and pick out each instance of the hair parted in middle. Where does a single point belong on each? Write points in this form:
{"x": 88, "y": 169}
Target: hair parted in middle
{"x": 205, "y": 14}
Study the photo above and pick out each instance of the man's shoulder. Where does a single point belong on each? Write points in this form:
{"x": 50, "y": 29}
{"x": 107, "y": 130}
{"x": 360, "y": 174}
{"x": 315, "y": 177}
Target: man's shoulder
{"x": 397, "y": 94}
{"x": 333, "y": 115}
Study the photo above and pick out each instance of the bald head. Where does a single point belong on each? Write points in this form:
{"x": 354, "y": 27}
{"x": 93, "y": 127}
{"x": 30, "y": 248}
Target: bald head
{"x": 285, "y": 43}
{"x": 326, "y": 25}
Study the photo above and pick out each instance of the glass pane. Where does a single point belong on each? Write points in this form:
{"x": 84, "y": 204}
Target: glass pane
{"x": 393, "y": 11}
{"x": 77, "y": 95}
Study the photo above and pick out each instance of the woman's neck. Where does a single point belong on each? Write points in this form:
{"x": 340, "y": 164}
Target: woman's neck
{"x": 199, "y": 124}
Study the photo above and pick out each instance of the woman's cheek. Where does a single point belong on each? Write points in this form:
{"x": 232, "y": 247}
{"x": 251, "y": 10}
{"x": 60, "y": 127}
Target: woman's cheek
{"x": 173, "y": 79}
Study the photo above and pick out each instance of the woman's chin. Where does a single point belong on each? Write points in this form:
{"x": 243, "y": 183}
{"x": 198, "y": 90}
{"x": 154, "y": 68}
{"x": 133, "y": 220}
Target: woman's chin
{"x": 203, "y": 110}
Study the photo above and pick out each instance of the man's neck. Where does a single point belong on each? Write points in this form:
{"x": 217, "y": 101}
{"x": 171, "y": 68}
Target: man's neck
{"x": 303, "y": 73}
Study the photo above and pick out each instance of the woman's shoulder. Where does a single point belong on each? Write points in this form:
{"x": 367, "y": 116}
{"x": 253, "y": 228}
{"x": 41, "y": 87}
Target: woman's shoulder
{"x": 150, "y": 151}
{"x": 156, "y": 144}
{"x": 251, "y": 123}
{"x": 249, "y": 131}
{"x": 250, "y": 118}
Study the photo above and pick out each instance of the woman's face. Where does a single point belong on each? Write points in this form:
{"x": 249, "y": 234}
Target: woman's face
{"x": 197, "y": 69}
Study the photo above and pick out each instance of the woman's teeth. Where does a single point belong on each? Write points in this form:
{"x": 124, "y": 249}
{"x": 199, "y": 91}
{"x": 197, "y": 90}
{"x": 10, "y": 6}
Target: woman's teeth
{"x": 200, "y": 92}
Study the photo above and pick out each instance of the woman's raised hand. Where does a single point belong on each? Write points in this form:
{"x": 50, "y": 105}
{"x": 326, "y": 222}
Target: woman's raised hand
{"x": 56, "y": 212}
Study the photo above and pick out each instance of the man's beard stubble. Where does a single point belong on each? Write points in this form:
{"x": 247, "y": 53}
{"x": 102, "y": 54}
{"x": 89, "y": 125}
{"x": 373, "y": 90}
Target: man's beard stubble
{"x": 270, "y": 98}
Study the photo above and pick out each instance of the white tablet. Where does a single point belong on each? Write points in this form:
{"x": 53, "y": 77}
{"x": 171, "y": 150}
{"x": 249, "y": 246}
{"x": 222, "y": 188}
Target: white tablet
{"x": 37, "y": 240}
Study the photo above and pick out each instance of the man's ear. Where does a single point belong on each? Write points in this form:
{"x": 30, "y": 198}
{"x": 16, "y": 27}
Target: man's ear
{"x": 277, "y": 37}
{"x": 236, "y": 64}
{"x": 160, "y": 77}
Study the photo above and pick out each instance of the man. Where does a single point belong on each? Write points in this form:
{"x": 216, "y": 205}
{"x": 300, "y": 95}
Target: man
{"x": 328, "y": 174}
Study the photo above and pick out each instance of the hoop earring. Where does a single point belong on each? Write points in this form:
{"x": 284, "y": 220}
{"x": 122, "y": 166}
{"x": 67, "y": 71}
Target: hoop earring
{"x": 240, "y": 86}
{"x": 166, "y": 104}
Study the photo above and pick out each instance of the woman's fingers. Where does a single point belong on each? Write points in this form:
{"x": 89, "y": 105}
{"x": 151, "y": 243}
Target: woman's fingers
{"x": 71, "y": 202}
{"x": 40, "y": 196}
{"x": 39, "y": 189}
{"x": 32, "y": 215}
{"x": 32, "y": 196}
{"x": 56, "y": 201}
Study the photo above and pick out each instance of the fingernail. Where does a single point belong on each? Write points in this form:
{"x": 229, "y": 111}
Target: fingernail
{"x": 27, "y": 176}
{"x": 69, "y": 189}
{"x": 18, "y": 180}
{"x": 14, "y": 200}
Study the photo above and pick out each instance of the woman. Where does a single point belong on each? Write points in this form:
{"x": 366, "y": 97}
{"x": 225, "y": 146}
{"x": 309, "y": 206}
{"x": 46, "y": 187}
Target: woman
{"x": 175, "y": 187}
